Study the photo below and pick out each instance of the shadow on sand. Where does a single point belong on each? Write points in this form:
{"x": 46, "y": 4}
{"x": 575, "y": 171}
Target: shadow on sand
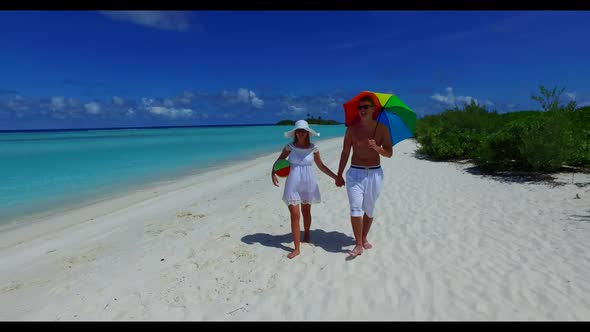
{"x": 329, "y": 241}
{"x": 505, "y": 177}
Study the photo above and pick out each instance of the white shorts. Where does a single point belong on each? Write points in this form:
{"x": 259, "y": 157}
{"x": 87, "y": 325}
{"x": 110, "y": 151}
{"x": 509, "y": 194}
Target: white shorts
{"x": 363, "y": 187}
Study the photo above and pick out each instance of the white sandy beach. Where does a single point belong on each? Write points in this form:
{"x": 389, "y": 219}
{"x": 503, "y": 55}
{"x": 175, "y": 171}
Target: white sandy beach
{"x": 448, "y": 245}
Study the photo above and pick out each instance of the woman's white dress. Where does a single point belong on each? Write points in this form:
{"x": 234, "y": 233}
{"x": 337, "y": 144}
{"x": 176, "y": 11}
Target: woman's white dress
{"x": 301, "y": 186}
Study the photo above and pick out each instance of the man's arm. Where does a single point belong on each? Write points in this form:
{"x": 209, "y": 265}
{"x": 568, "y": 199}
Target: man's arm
{"x": 387, "y": 145}
{"x": 347, "y": 145}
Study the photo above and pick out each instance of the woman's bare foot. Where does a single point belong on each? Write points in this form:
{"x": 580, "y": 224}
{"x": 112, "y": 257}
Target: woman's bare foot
{"x": 367, "y": 245}
{"x": 306, "y": 237}
{"x": 295, "y": 253}
{"x": 357, "y": 251}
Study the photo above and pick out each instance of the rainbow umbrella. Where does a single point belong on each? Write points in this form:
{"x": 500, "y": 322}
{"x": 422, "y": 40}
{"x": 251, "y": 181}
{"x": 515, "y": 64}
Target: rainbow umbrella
{"x": 389, "y": 110}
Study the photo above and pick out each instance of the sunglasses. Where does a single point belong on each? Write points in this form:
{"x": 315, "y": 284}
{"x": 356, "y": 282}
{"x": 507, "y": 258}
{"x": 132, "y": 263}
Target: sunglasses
{"x": 364, "y": 107}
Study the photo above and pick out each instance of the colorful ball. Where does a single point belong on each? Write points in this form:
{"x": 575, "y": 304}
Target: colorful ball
{"x": 282, "y": 168}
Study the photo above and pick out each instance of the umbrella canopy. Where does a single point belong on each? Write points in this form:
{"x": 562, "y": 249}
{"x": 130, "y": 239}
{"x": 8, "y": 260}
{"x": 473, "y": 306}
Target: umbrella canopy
{"x": 389, "y": 110}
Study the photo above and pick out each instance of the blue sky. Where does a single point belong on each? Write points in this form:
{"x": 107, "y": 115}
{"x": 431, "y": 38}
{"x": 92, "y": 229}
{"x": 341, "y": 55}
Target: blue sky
{"x": 148, "y": 68}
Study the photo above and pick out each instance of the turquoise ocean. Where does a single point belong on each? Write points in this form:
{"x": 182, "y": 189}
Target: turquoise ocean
{"x": 53, "y": 170}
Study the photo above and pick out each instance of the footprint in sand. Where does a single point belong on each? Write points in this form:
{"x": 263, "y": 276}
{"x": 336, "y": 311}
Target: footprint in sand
{"x": 187, "y": 215}
{"x": 39, "y": 282}
{"x": 58, "y": 290}
{"x": 180, "y": 232}
{"x": 224, "y": 236}
{"x": 89, "y": 256}
{"x": 154, "y": 232}
{"x": 177, "y": 228}
{"x": 12, "y": 286}
{"x": 249, "y": 208}
{"x": 242, "y": 252}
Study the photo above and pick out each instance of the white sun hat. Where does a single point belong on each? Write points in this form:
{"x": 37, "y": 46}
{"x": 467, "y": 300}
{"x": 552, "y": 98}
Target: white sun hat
{"x": 301, "y": 124}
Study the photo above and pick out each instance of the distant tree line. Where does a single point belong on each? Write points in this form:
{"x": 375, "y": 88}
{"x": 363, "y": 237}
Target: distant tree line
{"x": 311, "y": 120}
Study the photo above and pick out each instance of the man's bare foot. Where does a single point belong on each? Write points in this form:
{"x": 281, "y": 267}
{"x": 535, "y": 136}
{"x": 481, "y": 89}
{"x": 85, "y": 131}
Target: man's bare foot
{"x": 357, "y": 251}
{"x": 306, "y": 237}
{"x": 295, "y": 253}
{"x": 367, "y": 245}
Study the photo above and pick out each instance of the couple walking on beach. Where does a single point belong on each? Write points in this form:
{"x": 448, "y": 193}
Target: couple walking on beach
{"x": 369, "y": 140}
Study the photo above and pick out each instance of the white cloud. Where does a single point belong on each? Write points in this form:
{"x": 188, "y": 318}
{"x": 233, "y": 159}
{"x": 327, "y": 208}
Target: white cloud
{"x": 249, "y": 97}
{"x": 440, "y": 98}
{"x": 93, "y": 107}
{"x": 57, "y": 103}
{"x": 17, "y": 103}
{"x": 164, "y": 20}
{"x": 170, "y": 112}
{"x": 186, "y": 98}
{"x": 257, "y": 102}
{"x": 451, "y": 100}
{"x": 147, "y": 101}
{"x": 571, "y": 95}
{"x": 297, "y": 109}
{"x": 326, "y": 106}
{"x": 168, "y": 103}
{"x": 467, "y": 99}
{"x": 165, "y": 108}
{"x": 130, "y": 112}
{"x": 118, "y": 101}
{"x": 243, "y": 96}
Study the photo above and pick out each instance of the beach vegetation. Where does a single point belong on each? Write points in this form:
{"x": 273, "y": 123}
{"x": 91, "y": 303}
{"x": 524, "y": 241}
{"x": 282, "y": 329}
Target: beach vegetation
{"x": 545, "y": 140}
{"x": 310, "y": 120}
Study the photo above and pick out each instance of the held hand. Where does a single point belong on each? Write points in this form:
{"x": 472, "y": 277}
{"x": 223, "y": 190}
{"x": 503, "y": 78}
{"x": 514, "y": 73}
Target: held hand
{"x": 275, "y": 180}
{"x": 340, "y": 181}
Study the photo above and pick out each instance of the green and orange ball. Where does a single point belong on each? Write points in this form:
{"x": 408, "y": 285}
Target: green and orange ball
{"x": 282, "y": 168}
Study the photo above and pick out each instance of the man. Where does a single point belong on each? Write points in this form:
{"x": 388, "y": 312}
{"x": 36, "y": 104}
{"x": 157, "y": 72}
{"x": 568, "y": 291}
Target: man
{"x": 369, "y": 141}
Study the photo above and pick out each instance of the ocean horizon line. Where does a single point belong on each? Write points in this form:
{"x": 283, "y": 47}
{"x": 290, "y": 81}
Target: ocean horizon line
{"x": 126, "y": 128}
{"x": 123, "y": 128}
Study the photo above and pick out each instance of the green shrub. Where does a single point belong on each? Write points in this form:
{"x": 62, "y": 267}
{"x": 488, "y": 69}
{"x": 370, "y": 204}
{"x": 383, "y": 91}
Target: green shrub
{"x": 544, "y": 147}
{"x": 501, "y": 150}
{"x": 455, "y": 133}
{"x": 525, "y": 141}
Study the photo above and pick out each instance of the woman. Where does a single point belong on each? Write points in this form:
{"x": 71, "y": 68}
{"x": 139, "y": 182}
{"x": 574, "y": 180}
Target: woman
{"x": 301, "y": 187}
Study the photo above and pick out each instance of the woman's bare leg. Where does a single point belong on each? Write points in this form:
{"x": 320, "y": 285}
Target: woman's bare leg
{"x": 306, "y": 211}
{"x": 295, "y": 229}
